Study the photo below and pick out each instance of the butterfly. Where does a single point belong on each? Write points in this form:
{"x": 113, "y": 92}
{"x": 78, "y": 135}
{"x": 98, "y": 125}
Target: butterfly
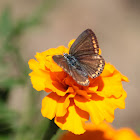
{"x": 83, "y": 60}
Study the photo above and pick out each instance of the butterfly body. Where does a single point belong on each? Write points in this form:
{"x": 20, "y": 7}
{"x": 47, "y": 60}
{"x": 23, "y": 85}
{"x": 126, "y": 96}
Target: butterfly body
{"x": 83, "y": 60}
{"x": 73, "y": 62}
{"x": 71, "y": 59}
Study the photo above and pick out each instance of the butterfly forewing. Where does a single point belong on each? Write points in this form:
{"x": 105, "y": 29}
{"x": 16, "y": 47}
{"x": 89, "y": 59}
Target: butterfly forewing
{"x": 79, "y": 75}
{"x": 62, "y": 62}
{"x": 85, "y": 44}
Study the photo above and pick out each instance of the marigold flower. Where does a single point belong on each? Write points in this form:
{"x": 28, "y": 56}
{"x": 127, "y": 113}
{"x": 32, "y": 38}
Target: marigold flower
{"x": 71, "y": 104}
{"x": 101, "y": 132}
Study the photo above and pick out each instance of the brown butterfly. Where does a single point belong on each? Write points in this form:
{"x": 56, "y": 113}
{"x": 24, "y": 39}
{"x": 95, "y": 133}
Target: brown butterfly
{"x": 83, "y": 60}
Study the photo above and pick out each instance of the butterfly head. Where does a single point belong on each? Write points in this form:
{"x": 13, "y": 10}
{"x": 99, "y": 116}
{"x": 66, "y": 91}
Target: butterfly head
{"x": 65, "y": 55}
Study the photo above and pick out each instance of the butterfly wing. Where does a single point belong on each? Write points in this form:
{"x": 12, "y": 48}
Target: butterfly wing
{"x": 85, "y": 44}
{"x": 79, "y": 75}
{"x": 85, "y": 49}
{"x": 62, "y": 62}
{"x": 93, "y": 64}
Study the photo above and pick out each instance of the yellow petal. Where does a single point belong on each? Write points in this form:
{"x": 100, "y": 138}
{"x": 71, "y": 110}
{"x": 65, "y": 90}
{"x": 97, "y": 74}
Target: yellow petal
{"x": 101, "y": 108}
{"x": 70, "y": 43}
{"x": 73, "y": 120}
{"x": 108, "y": 70}
{"x": 33, "y": 64}
{"x": 49, "y": 105}
{"x": 45, "y": 58}
{"x": 56, "y": 87}
{"x": 63, "y": 104}
{"x": 38, "y": 79}
{"x": 124, "y": 78}
{"x": 90, "y": 107}
{"x": 112, "y": 86}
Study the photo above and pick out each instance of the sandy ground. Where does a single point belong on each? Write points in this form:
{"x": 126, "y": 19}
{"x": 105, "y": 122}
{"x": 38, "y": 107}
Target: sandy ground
{"x": 116, "y": 25}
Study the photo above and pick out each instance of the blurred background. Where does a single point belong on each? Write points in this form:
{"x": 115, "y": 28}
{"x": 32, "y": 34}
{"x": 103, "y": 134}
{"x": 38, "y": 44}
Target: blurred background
{"x": 30, "y": 26}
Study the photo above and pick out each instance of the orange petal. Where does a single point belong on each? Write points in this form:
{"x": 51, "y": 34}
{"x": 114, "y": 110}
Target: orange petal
{"x": 73, "y": 120}
{"x": 48, "y": 90}
{"x": 111, "y": 86}
{"x": 62, "y": 105}
{"x": 108, "y": 105}
{"x": 42, "y": 80}
{"x": 38, "y": 79}
{"x": 33, "y": 64}
{"x": 49, "y": 105}
{"x": 41, "y": 60}
{"x": 81, "y": 92}
{"x": 90, "y": 107}
{"x": 108, "y": 85}
{"x": 49, "y": 63}
{"x": 100, "y": 51}
{"x": 100, "y": 108}
{"x": 108, "y": 70}
{"x": 93, "y": 132}
{"x": 70, "y": 43}
{"x": 45, "y": 58}
{"x": 124, "y": 78}
{"x": 101, "y": 132}
{"x": 126, "y": 134}
{"x": 117, "y": 103}
{"x": 56, "y": 87}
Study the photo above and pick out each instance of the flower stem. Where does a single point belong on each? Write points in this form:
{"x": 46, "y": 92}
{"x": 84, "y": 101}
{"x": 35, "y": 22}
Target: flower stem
{"x": 51, "y": 131}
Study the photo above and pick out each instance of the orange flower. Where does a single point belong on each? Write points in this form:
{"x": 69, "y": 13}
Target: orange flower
{"x": 101, "y": 132}
{"x": 71, "y": 104}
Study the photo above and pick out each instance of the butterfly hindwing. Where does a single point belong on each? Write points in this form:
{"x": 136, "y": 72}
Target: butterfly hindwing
{"x": 85, "y": 44}
{"x": 79, "y": 76}
{"x": 93, "y": 64}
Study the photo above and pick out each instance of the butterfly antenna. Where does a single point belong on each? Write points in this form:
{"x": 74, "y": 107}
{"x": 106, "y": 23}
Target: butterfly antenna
{"x": 47, "y": 55}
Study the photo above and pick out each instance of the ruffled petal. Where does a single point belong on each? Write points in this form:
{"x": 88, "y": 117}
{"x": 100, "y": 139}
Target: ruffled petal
{"x": 73, "y": 120}
{"x": 38, "y": 79}
{"x": 33, "y": 64}
{"x": 70, "y": 43}
{"x": 49, "y": 105}
{"x": 50, "y": 64}
{"x": 58, "y": 88}
{"x": 112, "y": 86}
{"x": 109, "y": 83}
{"x": 90, "y": 107}
{"x": 124, "y": 78}
{"x": 63, "y": 104}
{"x": 100, "y": 108}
